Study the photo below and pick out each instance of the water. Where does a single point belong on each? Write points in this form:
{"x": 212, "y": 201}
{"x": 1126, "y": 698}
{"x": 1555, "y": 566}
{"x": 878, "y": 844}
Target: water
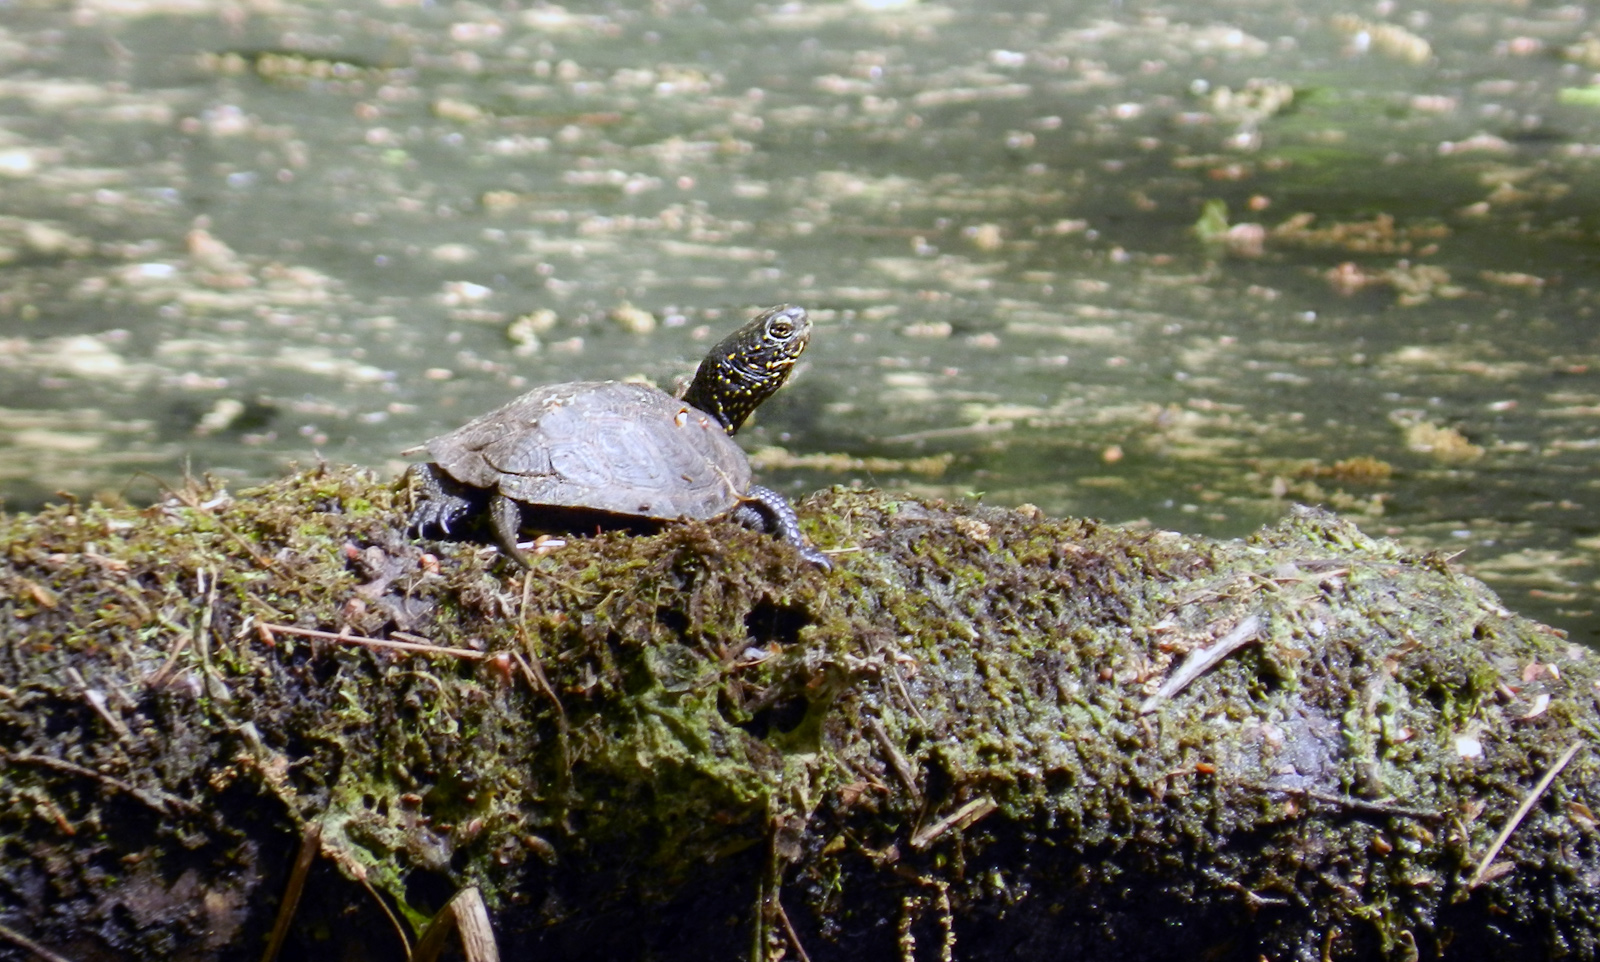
{"x": 235, "y": 236}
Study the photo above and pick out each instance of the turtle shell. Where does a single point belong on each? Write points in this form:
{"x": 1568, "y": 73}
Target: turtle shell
{"x": 612, "y": 446}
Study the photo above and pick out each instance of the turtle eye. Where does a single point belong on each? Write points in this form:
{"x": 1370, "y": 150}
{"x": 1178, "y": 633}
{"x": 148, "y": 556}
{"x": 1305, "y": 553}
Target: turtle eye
{"x": 780, "y": 329}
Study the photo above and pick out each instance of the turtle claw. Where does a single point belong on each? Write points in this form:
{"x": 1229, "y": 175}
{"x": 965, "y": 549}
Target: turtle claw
{"x": 436, "y": 507}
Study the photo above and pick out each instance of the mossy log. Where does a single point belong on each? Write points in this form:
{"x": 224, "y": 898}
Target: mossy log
{"x": 689, "y": 745}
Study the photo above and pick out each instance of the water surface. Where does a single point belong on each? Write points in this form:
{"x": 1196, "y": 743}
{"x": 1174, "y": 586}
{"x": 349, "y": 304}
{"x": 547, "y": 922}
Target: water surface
{"x": 236, "y": 235}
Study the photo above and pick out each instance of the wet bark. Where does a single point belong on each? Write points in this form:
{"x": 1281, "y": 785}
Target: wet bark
{"x": 691, "y": 745}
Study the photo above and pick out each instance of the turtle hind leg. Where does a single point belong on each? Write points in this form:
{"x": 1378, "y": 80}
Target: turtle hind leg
{"x": 437, "y": 506}
{"x": 768, "y": 511}
{"x": 505, "y": 520}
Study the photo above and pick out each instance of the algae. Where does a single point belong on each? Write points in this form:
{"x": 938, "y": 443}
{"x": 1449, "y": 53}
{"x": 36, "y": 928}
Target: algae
{"x": 690, "y": 744}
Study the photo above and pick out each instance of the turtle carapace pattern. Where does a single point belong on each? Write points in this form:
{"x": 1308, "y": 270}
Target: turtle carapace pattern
{"x": 630, "y": 450}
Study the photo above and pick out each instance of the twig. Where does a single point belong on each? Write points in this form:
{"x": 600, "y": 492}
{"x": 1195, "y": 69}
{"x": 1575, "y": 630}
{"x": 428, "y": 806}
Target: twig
{"x": 97, "y": 701}
{"x": 1346, "y": 801}
{"x": 360, "y": 876}
{"x": 310, "y": 845}
{"x": 534, "y": 673}
{"x": 539, "y": 683}
{"x": 157, "y": 799}
{"x": 533, "y": 670}
{"x": 788, "y": 929}
{"x": 1522, "y": 812}
{"x": 960, "y": 818}
{"x": 897, "y": 761}
{"x": 17, "y": 938}
{"x": 758, "y": 925}
{"x": 464, "y": 913}
{"x": 769, "y": 888}
{"x": 357, "y": 871}
{"x": 181, "y": 639}
{"x": 466, "y": 653}
{"x": 900, "y": 683}
{"x": 1203, "y": 660}
{"x": 215, "y": 686}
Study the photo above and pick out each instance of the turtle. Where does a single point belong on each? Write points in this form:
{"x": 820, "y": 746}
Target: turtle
{"x": 620, "y": 449}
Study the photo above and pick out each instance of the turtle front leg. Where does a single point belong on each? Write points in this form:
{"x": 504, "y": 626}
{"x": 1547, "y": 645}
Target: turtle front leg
{"x": 505, "y": 518}
{"x": 436, "y": 507}
{"x": 770, "y": 512}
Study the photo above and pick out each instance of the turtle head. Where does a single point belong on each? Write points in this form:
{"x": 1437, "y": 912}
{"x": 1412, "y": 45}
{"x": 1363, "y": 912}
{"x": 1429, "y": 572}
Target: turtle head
{"x": 748, "y": 365}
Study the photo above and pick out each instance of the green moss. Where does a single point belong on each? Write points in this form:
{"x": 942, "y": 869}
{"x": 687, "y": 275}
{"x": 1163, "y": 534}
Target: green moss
{"x": 698, "y": 708}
